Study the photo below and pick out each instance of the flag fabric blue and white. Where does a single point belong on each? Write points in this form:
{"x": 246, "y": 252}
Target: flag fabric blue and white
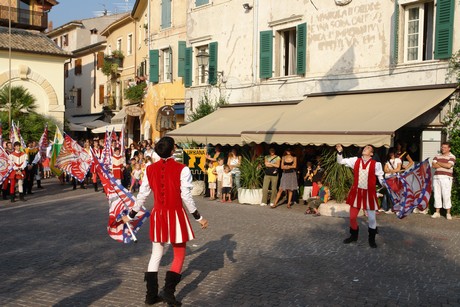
{"x": 107, "y": 151}
{"x": 411, "y": 189}
{"x": 120, "y": 202}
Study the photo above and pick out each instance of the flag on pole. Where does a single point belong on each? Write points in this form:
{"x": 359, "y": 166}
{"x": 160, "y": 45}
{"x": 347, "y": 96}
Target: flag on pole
{"x": 107, "y": 150}
{"x": 57, "y": 144}
{"x": 120, "y": 201}
{"x": 6, "y": 166}
{"x": 411, "y": 189}
{"x": 43, "y": 144}
{"x": 73, "y": 159}
{"x": 19, "y": 137}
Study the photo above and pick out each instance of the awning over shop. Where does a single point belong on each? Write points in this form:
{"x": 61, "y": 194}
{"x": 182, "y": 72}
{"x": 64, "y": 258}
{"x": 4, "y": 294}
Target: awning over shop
{"x": 84, "y": 119}
{"x": 76, "y": 128}
{"x": 224, "y": 126}
{"x": 95, "y": 124}
{"x": 109, "y": 128}
{"x": 119, "y": 117}
{"x": 349, "y": 119}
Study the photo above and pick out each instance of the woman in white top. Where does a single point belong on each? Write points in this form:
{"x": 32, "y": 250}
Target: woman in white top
{"x": 234, "y": 162}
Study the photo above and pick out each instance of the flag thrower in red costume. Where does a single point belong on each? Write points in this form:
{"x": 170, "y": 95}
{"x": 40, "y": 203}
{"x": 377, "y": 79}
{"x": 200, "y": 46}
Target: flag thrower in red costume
{"x": 19, "y": 160}
{"x": 171, "y": 183}
{"x": 363, "y": 193}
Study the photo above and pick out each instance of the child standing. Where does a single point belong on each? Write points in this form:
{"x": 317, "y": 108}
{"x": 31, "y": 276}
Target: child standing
{"x": 227, "y": 184}
{"x": 212, "y": 178}
{"x": 219, "y": 172}
{"x": 136, "y": 177}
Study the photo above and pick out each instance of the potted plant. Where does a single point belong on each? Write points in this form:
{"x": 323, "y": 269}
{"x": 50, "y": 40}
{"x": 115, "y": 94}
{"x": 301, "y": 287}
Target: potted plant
{"x": 135, "y": 93}
{"x": 251, "y": 180}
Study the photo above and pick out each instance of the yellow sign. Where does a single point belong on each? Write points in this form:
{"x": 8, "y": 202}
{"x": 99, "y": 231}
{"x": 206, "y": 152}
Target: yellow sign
{"x": 195, "y": 159}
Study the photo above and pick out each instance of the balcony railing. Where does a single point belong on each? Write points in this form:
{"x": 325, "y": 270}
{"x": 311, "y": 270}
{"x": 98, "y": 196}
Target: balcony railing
{"x": 24, "y": 19}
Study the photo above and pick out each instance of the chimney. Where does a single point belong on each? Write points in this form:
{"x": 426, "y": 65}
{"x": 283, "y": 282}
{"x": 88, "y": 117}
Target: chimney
{"x": 50, "y": 25}
{"x": 94, "y": 37}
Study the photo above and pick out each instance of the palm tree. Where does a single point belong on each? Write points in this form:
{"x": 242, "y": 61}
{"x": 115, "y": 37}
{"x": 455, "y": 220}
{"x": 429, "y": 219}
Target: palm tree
{"x": 21, "y": 101}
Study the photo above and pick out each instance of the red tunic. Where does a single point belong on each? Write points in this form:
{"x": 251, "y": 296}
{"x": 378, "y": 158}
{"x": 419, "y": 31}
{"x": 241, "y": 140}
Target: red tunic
{"x": 168, "y": 221}
{"x": 364, "y": 198}
{"x": 117, "y": 165}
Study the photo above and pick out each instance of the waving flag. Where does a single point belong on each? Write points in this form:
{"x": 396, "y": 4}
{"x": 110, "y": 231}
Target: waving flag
{"x": 107, "y": 151}
{"x": 55, "y": 149}
{"x": 120, "y": 201}
{"x": 43, "y": 144}
{"x": 73, "y": 159}
{"x": 411, "y": 190}
{"x": 6, "y": 166}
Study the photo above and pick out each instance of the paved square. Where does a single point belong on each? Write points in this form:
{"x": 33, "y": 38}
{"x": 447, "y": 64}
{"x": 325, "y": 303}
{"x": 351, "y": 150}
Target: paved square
{"x": 55, "y": 251}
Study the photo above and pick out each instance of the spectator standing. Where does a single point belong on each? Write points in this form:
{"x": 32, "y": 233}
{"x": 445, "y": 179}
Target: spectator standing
{"x": 136, "y": 177}
{"x": 288, "y": 178}
{"x": 227, "y": 185}
{"x": 363, "y": 193}
{"x": 401, "y": 153}
{"x": 212, "y": 180}
{"x": 234, "y": 161}
{"x": 272, "y": 164}
{"x": 220, "y": 173}
{"x": 117, "y": 164}
{"x": 442, "y": 180}
{"x": 308, "y": 182}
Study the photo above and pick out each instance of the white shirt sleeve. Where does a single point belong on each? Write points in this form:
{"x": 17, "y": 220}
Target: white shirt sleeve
{"x": 186, "y": 187}
{"x": 350, "y": 162}
{"x": 144, "y": 192}
{"x": 379, "y": 172}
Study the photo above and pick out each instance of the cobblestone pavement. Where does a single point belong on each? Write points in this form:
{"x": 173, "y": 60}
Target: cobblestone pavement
{"x": 55, "y": 252}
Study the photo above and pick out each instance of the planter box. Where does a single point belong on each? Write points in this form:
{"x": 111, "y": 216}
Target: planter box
{"x": 250, "y": 196}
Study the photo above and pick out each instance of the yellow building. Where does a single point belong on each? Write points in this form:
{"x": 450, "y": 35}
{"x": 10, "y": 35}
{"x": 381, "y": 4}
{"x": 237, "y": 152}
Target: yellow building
{"x": 164, "y": 25}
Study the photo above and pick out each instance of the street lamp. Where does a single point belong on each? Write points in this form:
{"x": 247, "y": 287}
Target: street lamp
{"x": 202, "y": 58}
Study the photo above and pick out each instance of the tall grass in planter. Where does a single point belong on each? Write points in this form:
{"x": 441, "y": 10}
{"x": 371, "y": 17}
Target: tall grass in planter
{"x": 337, "y": 177}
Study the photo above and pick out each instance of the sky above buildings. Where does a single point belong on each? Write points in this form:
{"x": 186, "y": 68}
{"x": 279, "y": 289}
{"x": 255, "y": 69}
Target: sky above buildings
{"x": 68, "y": 10}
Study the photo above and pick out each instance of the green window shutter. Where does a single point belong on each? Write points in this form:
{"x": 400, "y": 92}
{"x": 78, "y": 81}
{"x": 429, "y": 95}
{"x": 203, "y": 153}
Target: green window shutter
{"x": 188, "y": 67}
{"x": 181, "y": 60}
{"x": 165, "y": 14}
{"x": 212, "y": 63}
{"x": 394, "y": 54}
{"x": 266, "y": 54}
{"x": 301, "y": 48}
{"x": 201, "y": 2}
{"x": 154, "y": 66}
{"x": 444, "y": 29}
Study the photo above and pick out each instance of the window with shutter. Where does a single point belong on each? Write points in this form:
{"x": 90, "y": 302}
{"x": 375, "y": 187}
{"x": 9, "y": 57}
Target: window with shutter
{"x": 165, "y": 14}
{"x": 181, "y": 59}
{"x": 101, "y": 94}
{"x": 266, "y": 54}
{"x": 154, "y": 66}
{"x": 188, "y": 67}
{"x": 444, "y": 29}
{"x": 301, "y": 48}
{"x": 79, "y": 97}
{"x": 78, "y": 67}
{"x": 212, "y": 77}
{"x": 418, "y": 32}
{"x": 100, "y": 60}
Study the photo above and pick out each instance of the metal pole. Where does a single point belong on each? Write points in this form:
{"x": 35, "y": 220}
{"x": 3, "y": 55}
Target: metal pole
{"x": 9, "y": 65}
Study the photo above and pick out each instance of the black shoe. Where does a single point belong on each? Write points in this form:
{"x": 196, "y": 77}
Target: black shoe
{"x": 372, "y": 233}
{"x": 152, "y": 297}
{"x": 353, "y": 236}
{"x": 167, "y": 294}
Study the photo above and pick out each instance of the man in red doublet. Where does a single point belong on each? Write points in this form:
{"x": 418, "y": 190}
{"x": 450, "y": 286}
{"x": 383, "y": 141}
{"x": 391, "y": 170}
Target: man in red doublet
{"x": 117, "y": 163}
{"x": 19, "y": 160}
{"x": 171, "y": 183}
{"x": 363, "y": 193}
